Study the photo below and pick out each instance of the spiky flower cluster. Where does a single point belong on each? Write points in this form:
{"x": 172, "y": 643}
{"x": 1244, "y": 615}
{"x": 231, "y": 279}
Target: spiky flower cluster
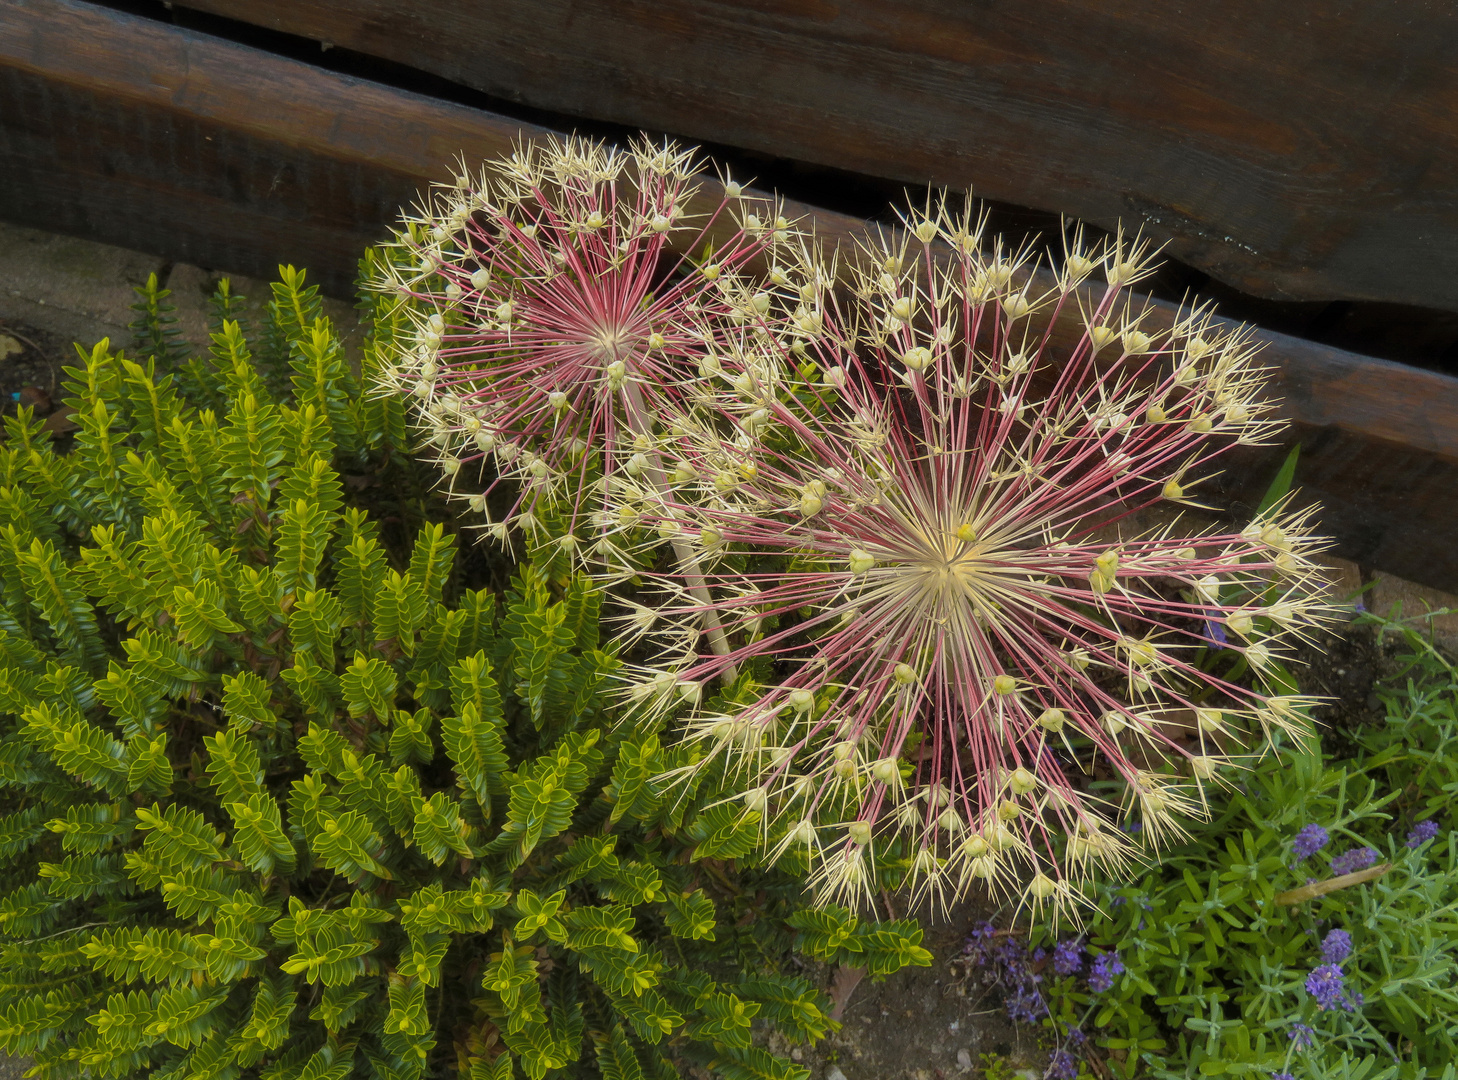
{"x": 560, "y": 317}
{"x": 914, "y": 608}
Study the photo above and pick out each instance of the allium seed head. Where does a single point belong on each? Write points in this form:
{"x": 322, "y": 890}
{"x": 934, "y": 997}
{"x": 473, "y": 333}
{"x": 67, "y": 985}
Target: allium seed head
{"x": 553, "y": 309}
{"x": 965, "y": 598}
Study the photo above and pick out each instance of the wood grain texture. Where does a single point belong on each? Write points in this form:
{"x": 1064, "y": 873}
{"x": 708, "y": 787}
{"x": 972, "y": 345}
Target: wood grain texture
{"x": 137, "y": 133}
{"x": 1296, "y": 151}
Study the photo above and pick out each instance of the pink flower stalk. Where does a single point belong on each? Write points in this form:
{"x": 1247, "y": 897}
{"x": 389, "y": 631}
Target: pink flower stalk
{"x": 926, "y": 547}
{"x": 554, "y": 323}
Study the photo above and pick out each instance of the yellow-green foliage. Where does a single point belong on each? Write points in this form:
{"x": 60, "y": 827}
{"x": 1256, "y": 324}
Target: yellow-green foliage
{"x": 282, "y": 796}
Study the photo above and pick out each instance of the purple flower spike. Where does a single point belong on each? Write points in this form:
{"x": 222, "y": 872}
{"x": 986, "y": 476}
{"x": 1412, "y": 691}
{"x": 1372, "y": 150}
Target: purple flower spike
{"x": 1349, "y": 862}
{"x": 1068, "y": 957}
{"x": 1061, "y": 1066}
{"x": 1327, "y": 985}
{"x": 1302, "y": 1035}
{"x": 1026, "y": 1005}
{"x": 1421, "y": 833}
{"x": 1102, "y": 971}
{"x": 1336, "y": 946}
{"x": 1310, "y": 840}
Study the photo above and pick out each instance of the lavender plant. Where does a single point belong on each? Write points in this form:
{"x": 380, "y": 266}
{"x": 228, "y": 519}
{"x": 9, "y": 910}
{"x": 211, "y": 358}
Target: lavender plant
{"x": 1251, "y": 951}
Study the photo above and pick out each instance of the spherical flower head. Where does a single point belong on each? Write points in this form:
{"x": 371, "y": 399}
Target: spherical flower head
{"x": 962, "y": 596}
{"x": 1327, "y": 985}
{"x": 1309, "y": 840}
{"x": 1421, "y": 833}
{"x": 1102, "y": 970}
{"x": 1336, "y": 946}
{"x": 1349, "y": 862}
{"x": 554, "y": 318}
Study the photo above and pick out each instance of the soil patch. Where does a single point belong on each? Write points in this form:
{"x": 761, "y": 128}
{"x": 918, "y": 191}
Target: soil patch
{"x": 927, "y": 1023}
{"x": 31, "y": 359}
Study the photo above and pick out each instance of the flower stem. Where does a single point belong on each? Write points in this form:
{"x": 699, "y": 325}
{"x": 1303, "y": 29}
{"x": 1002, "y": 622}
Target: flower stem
{"x": 688, "y": 560}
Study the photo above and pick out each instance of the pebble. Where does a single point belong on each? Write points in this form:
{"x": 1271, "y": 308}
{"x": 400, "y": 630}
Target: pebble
{"x": 964, "y": 1059}
{"x": 834, "y": 1073}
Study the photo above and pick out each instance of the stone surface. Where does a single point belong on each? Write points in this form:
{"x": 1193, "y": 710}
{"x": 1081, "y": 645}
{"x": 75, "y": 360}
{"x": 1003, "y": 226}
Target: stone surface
{"x": 75, "y": 288}
{"x": 193, "y": 286}
{"x": 81, "y": 291}
{"x": 1345, "y": 578}
{"x": 1416, "y": 605}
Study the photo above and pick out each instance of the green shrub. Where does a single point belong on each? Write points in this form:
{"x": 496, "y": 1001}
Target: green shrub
{"x": 289, "y": 793}
{"x": 1216, "y": 979}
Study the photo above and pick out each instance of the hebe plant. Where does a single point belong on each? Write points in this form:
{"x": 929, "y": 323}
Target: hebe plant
{"x": 285, "y": 797}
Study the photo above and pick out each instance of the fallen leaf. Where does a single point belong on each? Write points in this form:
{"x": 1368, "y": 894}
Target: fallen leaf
{"x": 58, "y": 423}
{"x": 1321, "y": 888}
{"x": 9, "y": 346}
{"x": 846, "y": 979}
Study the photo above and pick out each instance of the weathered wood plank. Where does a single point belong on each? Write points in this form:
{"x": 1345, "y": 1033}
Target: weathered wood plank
{"x": 141, "y": 134}
{"x": 1296, "y": 152}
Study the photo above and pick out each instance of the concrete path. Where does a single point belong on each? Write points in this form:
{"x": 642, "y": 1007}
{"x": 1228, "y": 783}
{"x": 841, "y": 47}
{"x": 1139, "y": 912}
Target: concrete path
{"x": 79, "y": 291}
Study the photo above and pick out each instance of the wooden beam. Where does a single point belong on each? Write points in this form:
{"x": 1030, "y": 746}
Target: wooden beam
{"x": 138, "y": 133}
{"x": 1297, "y": 152}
